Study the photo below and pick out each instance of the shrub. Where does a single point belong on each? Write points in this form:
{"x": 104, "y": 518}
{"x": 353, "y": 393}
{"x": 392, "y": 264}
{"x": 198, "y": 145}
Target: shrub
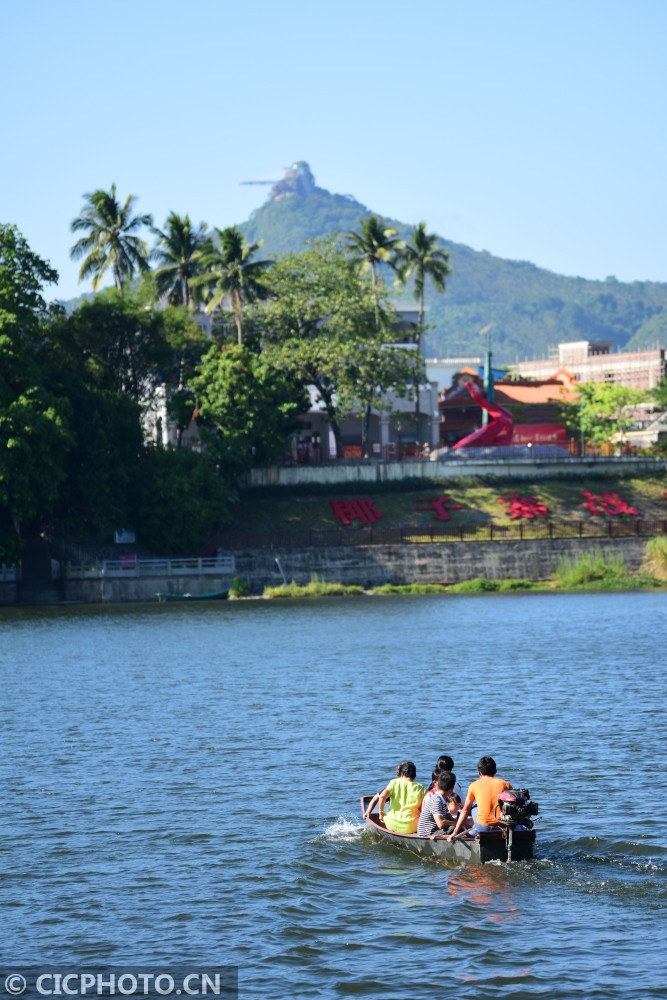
{"x": 411, "y": 588}
{"x": 316, "y": 588}
{"x": 592, "y": 568}
{"x": 479, "y": 585}
{"x": 655, "y": 559}
{"x": 239, "y": 588}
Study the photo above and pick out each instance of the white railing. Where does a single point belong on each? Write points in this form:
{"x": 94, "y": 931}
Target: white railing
{"x": 128, "y": 567}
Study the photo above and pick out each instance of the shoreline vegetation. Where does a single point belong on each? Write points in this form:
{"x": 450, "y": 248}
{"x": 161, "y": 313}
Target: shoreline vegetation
{"x": 591, "y": 572}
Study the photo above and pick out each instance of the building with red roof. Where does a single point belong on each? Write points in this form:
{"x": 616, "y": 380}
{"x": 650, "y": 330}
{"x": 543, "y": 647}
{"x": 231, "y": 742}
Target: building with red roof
{"x": 535, "y": 405}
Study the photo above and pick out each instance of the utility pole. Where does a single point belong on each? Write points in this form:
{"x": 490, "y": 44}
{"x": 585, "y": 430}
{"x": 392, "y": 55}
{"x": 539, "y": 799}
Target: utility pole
{"x": 489, "y": 389}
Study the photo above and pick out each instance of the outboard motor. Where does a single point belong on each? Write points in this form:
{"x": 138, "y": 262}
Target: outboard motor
{"x": 514, "y": 810}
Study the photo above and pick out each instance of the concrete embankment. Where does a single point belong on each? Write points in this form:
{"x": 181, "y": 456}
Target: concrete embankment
{"x": 366, "y": 565}
{"x": 371, "y": 473}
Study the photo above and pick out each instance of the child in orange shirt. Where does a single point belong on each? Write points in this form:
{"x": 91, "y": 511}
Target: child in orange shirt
{"x": 484, "y": 792}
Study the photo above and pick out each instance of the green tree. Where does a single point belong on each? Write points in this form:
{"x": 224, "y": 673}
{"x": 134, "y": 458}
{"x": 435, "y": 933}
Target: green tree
{"x": 177, "y": 254}
{"x": 34, "y": 433}
{"x": 325, "y": 326}
{"x": 375, "y": 243}
{"x": 189, "y": 343}
{"x": 659, "y": 395}
{"x": 604, "y": 411}
{"x": 179, "y": 501}
{"x": 372, "y": 375}
{"x": 22, "y": 278}
{"x": 111, "y": 243}
{"x": 422, "y": 259}
{"x": 248, "y": 408}
{"x": 99, "y": 489}
{"x": 317, "y": 306}
{"x": 117, "y": 343}
{"x": 231, "y": 274}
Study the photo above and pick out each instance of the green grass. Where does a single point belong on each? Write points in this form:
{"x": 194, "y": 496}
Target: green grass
{"x": 411, "y": 588}
{"x": 655, "y": 560}
{"x": 285, "y": 511}
{"x": 238, "y": 589}
{"x": 590, "y": 568}
{"x": 598, "y": 571}
{"x": 301, "y": 511}
{"x": 316, "y": 588}
{"x": 480, "y": 585}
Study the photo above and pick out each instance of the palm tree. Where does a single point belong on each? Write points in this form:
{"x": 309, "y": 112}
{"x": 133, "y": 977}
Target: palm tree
{"x": 229, "y": 273}
{"x": 422, "y": 259}
{"x": 374, "y": 244}
{"x": 111, "y": 243}
{"x": 176, "y": 253}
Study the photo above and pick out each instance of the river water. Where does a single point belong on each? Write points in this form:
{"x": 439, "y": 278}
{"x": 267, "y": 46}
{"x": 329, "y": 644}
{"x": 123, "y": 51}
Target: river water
{"x": 181, "y": 785}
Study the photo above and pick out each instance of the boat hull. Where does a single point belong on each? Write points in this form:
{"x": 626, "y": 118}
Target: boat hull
{"x": 214, "y": 595}
{"x": 487, "y": 846}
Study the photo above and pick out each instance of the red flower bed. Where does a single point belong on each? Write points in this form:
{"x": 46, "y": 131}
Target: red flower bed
{"x": 524, "y": 507}
{"x": 441, "y": 505}
{"x": 355, "y": 510}
{"x": 608, "y": 504}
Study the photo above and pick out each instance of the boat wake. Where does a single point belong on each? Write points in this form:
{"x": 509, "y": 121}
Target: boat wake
{"x": 342, "y": 831}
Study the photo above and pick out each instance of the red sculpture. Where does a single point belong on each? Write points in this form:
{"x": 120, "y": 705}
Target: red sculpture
{"x": 498, "y": 431}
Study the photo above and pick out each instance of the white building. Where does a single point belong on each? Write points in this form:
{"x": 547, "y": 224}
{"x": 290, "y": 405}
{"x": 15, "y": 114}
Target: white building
{"x": 593, "y": 361}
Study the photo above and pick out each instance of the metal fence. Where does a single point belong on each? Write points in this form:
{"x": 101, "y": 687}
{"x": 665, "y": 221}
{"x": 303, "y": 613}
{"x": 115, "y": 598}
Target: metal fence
{"x": 374, "y": 534}
{"x": 129, "y": 567}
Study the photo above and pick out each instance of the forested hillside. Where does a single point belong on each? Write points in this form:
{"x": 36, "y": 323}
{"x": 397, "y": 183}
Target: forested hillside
{"x": 528, "y": 308}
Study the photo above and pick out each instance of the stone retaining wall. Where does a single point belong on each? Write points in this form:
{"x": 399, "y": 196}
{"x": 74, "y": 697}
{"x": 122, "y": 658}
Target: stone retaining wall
{"x": 374, "y": 565}
{"x": 448, "y": 562}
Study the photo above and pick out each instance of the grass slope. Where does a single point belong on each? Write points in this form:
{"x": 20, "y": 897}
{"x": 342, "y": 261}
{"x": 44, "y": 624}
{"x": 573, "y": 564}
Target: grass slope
{"x": 282, "y": 512}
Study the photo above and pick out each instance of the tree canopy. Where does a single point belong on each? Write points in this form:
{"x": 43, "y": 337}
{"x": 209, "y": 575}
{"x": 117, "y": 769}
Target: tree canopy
{"x": 422, "y": 259}
{"x": 178, "y": 254}
{"x": 34, "y": 434}
{"x": 111, "y": 242}
{"x": 604, "y": 410}
{"x": 323, "y": 324}
{"x": 373, "y": 244}
{"x": 247, "y": 407}
{"x": 229, "y": 272}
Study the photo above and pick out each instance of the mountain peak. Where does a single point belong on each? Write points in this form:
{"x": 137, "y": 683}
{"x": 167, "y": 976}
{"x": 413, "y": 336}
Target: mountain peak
{"x": 297, "y": 180}
{"x": 531, "y": 309}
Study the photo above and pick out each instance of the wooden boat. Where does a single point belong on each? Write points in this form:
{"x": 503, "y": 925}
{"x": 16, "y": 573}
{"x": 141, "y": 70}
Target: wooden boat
{"x": 212, "y": 595}
{"x": 484, "y": 847}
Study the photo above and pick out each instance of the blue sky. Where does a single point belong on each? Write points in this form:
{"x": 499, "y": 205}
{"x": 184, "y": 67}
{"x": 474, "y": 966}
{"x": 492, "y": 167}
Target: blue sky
{"x": 528, "y": 128}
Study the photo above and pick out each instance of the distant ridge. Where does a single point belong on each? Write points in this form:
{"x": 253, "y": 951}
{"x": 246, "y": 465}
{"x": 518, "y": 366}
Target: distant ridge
{"x": 528, "y": 308}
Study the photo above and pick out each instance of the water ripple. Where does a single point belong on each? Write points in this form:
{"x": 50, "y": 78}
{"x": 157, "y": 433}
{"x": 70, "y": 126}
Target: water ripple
{"x": 184, "y": 785}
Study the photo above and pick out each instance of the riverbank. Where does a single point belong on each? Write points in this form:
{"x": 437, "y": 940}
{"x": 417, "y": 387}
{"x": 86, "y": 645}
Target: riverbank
{"x": 410, "y": 567}
{"x": 397, "y": 535}
{"x": 593, "y": 572}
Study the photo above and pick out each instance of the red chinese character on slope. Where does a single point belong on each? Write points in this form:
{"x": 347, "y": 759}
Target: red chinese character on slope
{"x": 441, "y": 506}
{"x": 526, "y": 507}
{"x": 608, "y": 503}
{"x": 355, "y": 510}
